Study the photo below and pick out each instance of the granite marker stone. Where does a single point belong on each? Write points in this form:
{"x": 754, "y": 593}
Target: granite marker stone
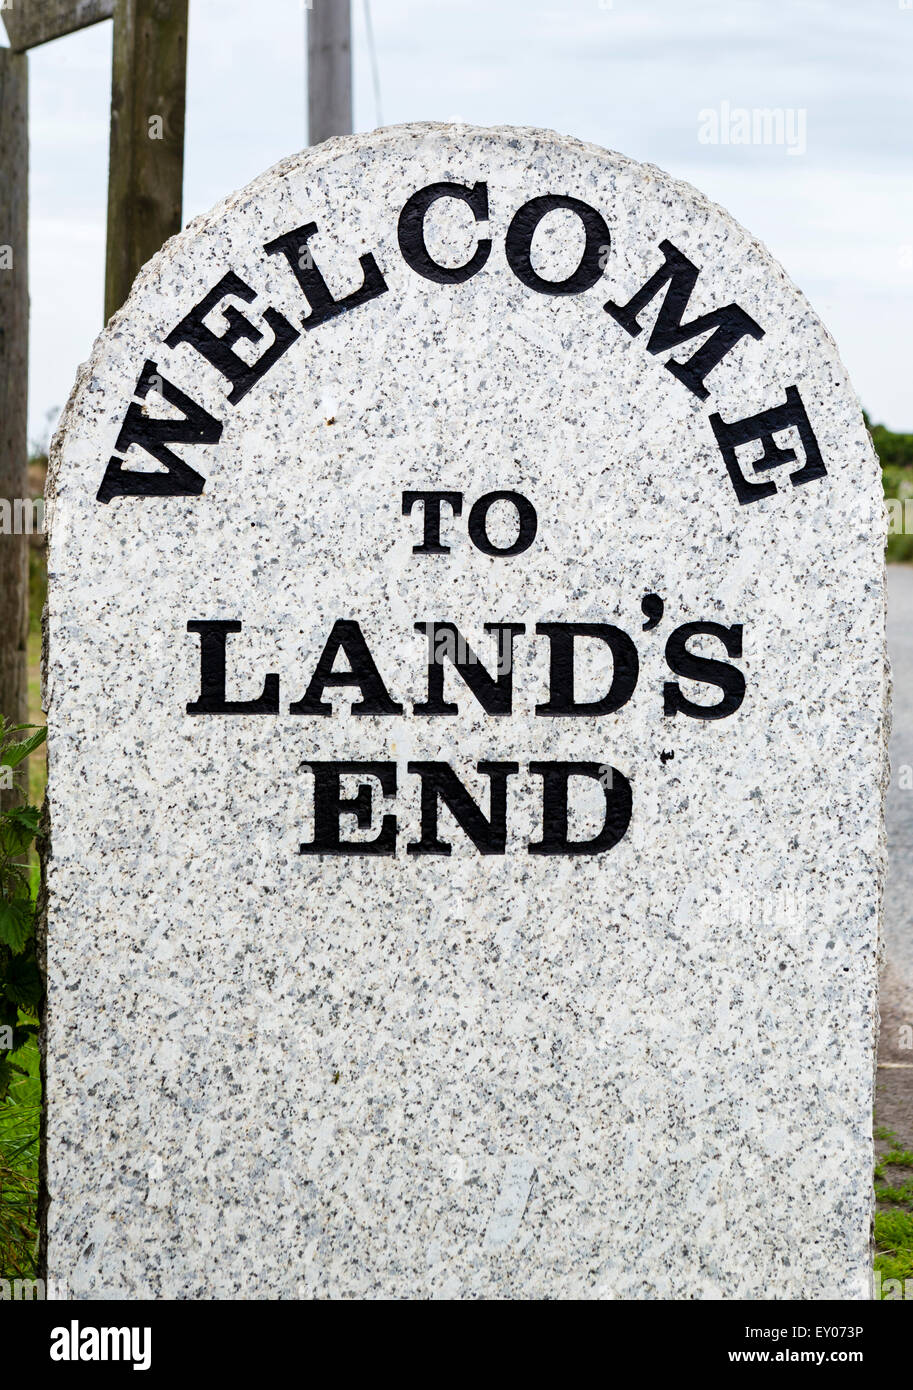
{"x": 467, "y": 702}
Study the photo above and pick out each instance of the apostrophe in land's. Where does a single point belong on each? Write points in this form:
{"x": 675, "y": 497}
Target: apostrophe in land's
{"x": 652, "y": 608}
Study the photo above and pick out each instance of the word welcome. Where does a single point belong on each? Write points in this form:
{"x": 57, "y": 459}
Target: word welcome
{"x": 671, "y": 283}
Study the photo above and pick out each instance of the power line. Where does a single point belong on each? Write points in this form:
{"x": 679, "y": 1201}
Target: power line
{"x": 374, "y": 69}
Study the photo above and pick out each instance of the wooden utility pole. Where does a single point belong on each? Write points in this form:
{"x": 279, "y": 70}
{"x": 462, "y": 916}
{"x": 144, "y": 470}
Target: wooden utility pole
{"x": 329, "y": 70}
{"x": 14, "y": 350}
{"x": 146, "y": 170}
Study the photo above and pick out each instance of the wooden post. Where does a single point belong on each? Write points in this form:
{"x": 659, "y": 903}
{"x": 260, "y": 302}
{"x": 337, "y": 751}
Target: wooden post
{"x": 329, "y": 70}
{"x": 14, "y": 342}
{"x": 33, "y": 22}
{"x": 28, "y": 23}
{"x": 146, "y": 171}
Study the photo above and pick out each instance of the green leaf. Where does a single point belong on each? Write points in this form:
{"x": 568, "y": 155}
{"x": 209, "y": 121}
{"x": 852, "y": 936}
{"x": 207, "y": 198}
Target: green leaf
{"x": 16, "y": 924}
{"x": 18, "y": 828}
{"x": 14, "y": 753}
{"x": 14, "y": 838}
{"x": 15, "y": 880}
{"x": 25, "y": 816}
{"x": 23, "y": 983}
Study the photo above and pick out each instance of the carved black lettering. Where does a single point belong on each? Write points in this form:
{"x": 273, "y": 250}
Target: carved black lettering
{"x": 478, "y": 518}
{"x": 625, "y": 668}
{"x": 762, "y": 428}
{"x": 678, "y": 276}
{"x": 347, "y": 637}
{"x": 703, "y": 668}
{"x": 213, "y": 636}
{"x": 494, "y": 693}
{"x": 618, "y": 801}
{"x": 217, "y": 347}
{"x": 197, "y": 427}
{"x": 411, "y": 231}
{"x": 294, "y": 247}
{"x": 441, "y": 784}
{"x": 330, "y": 804}
{"x": 518, "y": 245}
{"x": 431, "y": 503}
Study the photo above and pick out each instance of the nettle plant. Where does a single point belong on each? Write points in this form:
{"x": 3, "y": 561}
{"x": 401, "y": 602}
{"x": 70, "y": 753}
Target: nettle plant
{"x": 21, "y": 987}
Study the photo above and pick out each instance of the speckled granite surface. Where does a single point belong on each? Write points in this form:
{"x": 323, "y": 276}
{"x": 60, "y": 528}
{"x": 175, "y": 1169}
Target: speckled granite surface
{"x": 645, "y": 1072}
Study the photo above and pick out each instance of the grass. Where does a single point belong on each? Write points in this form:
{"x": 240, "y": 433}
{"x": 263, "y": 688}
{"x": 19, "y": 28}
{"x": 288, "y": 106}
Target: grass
{"x": 894, "y": 1212}
{"x": 19, "y": 1119}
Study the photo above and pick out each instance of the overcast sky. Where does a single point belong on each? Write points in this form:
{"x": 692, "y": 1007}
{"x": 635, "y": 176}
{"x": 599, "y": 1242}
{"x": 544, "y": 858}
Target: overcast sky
{"x": 633, "y": 75}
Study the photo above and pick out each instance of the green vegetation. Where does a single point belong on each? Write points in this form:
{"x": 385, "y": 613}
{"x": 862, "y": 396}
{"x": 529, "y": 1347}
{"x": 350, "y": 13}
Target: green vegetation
{"x": 38, "y": 592}
{"x": 21, "y": 992}
{"x": 20, "y": 985}
{"x": 897, "y": 1158}
{"x": 20, "y": 979}
{"x": 893, "y": 450}
{"x": 895, "y": 453}
{"x": 19, "y": 1122}
{"x": 894, "y": 1214}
